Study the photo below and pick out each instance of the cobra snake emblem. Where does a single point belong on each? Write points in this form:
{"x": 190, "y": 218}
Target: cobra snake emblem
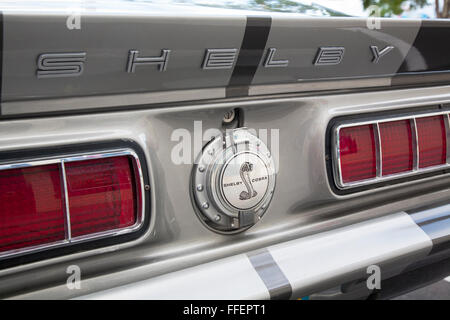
{"x": 244, "y": 171}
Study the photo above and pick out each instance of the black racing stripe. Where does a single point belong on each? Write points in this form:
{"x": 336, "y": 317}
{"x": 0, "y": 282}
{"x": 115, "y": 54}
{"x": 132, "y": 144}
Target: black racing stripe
{"x": 1, "y": 58}
{"x": 252, "y": 49}
{"x": 430, "y": 49}
{"x": 435, "y": 222}
{"x": 271, "y": 274}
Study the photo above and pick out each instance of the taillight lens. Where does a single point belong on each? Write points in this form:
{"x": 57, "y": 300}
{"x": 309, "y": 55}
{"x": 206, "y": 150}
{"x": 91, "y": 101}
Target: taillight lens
{"x": 68, "y": 200}
{"x": 396, "y": 147}
{"x": 432, "y": 141}
{"x": 374, "y": 151}
{"x": 357, "y": 153}
{"x": 102, "y": 195}
{"x": 31, "y": 207}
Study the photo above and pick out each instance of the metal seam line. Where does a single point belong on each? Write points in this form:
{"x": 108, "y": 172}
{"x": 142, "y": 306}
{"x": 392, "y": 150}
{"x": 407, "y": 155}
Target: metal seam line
{"x": 270, "y": 273}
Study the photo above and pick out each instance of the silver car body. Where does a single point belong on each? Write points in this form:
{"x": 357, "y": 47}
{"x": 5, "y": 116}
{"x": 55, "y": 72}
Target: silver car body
{"x": 313, "y": 241}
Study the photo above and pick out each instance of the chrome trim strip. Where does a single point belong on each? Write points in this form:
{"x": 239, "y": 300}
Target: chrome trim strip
{"x": 337, "y": 161}
{"x": 313, "y": 85}
{"x": 33, "y": 249}
{"x": 447, "y": 135}
{"x": 75, "y": 158}
{"x": 32, "y": 163}
{"x": 66, "y": 202}
{"x": 109, "y": 101}
{"x": 415, "y": 143}
{"x": 337, "y": 172}
{"x": 378, "y": 150}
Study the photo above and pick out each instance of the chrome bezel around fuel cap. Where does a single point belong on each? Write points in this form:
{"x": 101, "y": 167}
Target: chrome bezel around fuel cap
{"x": 215, "y": 209}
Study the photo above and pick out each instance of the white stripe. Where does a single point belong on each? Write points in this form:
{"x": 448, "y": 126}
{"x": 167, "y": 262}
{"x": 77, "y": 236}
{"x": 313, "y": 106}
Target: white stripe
{"x": 230, "y": 279}
{"x": 310, "y": 264}
{"x": 326, "y": 260}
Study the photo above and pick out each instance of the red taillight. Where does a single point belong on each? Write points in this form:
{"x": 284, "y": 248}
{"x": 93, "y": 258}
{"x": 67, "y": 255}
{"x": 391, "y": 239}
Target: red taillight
{"x": 432, "y": 141}
{"x": 374, "y": 151}
{"x": 47, "y": 204}
{"x": 357, "y": 153}
{"x": 31, "y": 207}
{"x": 102, "y": 195}
{"x": 396, "y": 147}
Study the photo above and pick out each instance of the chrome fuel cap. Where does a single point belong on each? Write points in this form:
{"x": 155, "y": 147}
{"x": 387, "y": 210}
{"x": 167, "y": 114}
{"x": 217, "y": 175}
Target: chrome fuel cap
{"x": 233, "y": 181}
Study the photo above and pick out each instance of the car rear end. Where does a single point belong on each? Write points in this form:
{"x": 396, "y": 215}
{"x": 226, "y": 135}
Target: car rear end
{"x": 114, "y": 119}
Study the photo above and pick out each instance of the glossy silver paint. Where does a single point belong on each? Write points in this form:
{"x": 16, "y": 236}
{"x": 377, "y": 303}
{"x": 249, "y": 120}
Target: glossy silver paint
{"x": 217, "y": 170}
{"x": 154, "y": 65}
{"x": 118, "y": 47}
{"x": 303, "y": 204}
